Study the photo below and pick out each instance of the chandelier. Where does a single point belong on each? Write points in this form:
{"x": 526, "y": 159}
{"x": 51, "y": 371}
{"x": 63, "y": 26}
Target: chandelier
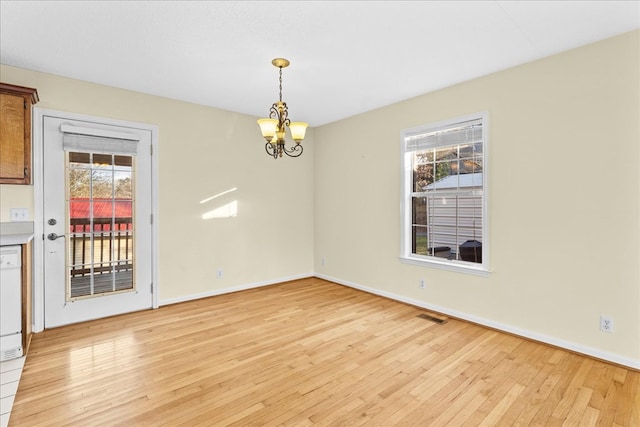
{"x": 273, "y": 128}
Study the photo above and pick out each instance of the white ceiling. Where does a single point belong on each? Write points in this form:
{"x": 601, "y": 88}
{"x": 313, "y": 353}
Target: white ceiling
{"x": 347, "y": 57}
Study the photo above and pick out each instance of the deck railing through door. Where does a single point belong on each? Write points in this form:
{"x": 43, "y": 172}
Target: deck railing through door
{"x": 112, "y": 246}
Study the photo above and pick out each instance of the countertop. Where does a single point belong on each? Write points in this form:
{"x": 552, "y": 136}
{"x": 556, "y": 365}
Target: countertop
{"x": 15, "y": 239}
{"x": 15, "y": 233}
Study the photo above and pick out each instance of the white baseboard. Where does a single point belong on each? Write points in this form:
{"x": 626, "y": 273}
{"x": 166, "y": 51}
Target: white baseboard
{"x": 215, "y": 292}
{"x": 578, "y": 348}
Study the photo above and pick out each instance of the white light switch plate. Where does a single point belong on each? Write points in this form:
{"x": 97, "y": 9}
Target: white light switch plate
{"x": 19, "y": 214}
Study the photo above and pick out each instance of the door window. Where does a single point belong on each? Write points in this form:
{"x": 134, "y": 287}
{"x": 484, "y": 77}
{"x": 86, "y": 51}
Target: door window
{"x": 100, "y": 210}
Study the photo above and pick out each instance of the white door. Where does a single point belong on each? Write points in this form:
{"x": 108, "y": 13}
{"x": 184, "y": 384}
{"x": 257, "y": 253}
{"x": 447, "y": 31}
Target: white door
{"x": 97, "y": 220}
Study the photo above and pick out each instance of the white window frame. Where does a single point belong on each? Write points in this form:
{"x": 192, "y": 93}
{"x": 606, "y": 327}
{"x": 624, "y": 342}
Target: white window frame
{"x": 406, "y": 254}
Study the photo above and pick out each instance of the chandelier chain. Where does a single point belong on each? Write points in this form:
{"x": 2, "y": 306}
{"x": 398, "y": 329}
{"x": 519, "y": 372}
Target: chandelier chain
{"x": 280, "y": 83}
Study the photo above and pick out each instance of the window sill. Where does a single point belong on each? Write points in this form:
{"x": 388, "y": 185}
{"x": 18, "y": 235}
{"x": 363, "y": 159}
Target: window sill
{"x": 466, "y": 268}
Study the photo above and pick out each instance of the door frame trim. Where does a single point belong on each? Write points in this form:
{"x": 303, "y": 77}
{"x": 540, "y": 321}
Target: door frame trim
{"x": 38, "y": 202}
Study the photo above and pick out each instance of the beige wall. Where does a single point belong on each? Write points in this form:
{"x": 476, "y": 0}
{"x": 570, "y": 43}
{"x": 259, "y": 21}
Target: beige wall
{"x": 15, "y": 196}
{"x": 564, "y": 136}
{"x": 202, "y": 152}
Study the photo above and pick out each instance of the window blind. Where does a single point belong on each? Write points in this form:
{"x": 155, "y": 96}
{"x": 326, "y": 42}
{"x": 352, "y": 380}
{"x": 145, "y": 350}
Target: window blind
{"x": 466, "y": 133}
{"x": 101, "y": 141}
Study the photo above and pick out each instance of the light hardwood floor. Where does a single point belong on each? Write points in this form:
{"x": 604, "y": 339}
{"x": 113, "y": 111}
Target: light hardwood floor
{"x": 310, "y": 352}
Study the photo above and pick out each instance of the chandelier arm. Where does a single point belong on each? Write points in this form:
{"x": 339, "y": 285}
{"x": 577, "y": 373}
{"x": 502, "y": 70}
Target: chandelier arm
{"x": 294, "y": 151}
{"x": 271, "y": 150}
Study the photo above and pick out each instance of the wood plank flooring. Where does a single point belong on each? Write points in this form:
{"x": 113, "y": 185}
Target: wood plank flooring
{"x": 310, "y": 352}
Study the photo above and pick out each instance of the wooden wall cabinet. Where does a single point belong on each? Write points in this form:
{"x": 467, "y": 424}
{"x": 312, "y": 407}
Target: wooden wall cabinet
{"x": 15, "y": 133}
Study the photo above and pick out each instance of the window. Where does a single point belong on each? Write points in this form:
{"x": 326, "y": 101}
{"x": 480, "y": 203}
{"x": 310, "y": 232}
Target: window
{"x": 100, "y": 239}
{"x": 444, "y": 198}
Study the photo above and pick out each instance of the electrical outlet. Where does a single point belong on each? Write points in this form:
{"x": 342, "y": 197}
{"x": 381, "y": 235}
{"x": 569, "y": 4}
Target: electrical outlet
{"x": 421, "y": 284}
{"x": 322, "y": 261}
{"x": 606, "y": 324}
{"x": 220, "y": 273}
{"x": 19, "y": 214}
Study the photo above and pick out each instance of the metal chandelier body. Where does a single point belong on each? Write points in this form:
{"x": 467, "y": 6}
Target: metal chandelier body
{"x": 273, "y": 128}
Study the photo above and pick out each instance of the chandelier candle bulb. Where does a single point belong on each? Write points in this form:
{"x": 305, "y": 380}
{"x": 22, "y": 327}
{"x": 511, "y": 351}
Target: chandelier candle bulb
{"x": 273, "y": 128}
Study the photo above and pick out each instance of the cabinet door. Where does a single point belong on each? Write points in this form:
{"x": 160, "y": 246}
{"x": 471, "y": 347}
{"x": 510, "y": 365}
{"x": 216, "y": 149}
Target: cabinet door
{"x": 13, "y": 150}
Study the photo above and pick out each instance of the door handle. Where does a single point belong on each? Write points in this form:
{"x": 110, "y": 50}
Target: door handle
{"x": 54, "y": 236}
